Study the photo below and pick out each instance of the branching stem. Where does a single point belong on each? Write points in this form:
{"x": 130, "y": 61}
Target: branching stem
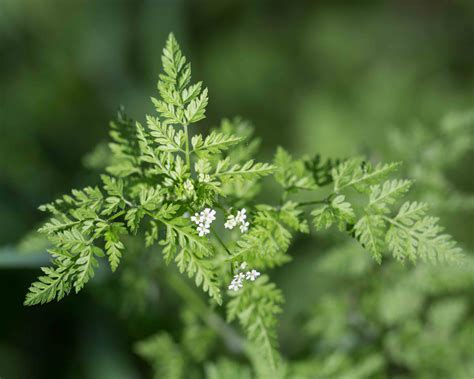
{"x": 234, "y": 342}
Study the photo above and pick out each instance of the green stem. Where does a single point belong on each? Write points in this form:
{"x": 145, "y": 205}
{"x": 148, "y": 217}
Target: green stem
{"x": 314, "y": 202}
{"x": 187, "y": 153}
{"x": 219, "y": 239}
{"x": 232, "y": 339}
{"x": 116, "y": 216}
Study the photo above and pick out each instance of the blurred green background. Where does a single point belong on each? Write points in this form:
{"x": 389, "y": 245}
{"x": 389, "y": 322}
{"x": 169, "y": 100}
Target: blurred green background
{"x": 330, "y": 77}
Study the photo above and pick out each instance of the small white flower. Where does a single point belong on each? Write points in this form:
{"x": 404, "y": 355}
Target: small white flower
{"x": 204, "y": 220}
{"x": 196, "y": 218}
{"x": 234, "y": 286}
{"x": 203, "y": 230}
{"x": 252, "y": 275}
{"x": 188, "y": 185}
{"x": 239, "y": 278}
{"x": 231, "y": 223}
{"x": 244, "y": 227}
{"x": 209, "y": 215}
{"x": 237, "y": 282}
{"x": 204, "y": 178}
{"x": 241, "y": 216}
{"x": 239, "y": 219}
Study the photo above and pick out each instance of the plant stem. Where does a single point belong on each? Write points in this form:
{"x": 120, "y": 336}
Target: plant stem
{"x": 324, "y": 201}
{"x": 234, "y": 342}
{"x": 116, "y": 216}
{"x": 188, "y": 155}
{"x": 219, "y": 239}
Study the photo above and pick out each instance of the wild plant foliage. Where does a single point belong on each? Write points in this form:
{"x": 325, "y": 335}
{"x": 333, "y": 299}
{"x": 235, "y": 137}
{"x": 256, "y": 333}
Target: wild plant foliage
{"x": 194, "y": 197}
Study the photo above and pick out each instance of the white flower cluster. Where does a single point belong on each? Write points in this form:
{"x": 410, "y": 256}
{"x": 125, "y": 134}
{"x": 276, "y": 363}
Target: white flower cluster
{"x": 204, "y": 178}
{"x": 204, "y": 220}
{"x": 238, "y": 280}
{"x": 188, "y": 185}
{"x": 239, "y": 219}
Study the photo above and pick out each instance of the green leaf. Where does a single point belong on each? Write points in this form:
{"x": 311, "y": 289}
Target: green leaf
{"x": 164, "y": 355}
{"x": 113, "y": 245}
{"x": 360, "y": 175}
{"x": 266, "y": 243}
{"x": 113, "y": 186}
{"x": 413, "y": 234}
{"x": 90, "y": 197}
{"x": 370, "y": 231}
{"x": 202, "y": 270}
{"x": 124, "y": 147}
{"x": 168, "y": 112}
{"x": 323, "y": 217}
{"x": 191, "y": 93}
{"x": 228, "y": 369}
{"x": 50, "y": 286}
{"x": 166, "y": 136}
{"x": 133, "y": 218}
{"x": 338, "y": 210}
{"x": 72, "y": 240}
{"x": 292, "y": 174}
{"x": 247, "y": 171}
{"x": 256, "y": 307}
{"x": 411, "y": 212}
{"x": 180, "y": 104}
{"x": 84, "y": 267}
{"x": 57, "y": 224}
{"x": 213, "y": 144}
{"x": 173, "y": 63}
{"x": 381, "y": 196}
{"x": 151, "y": 198}
{"x": 193, "y": 251}
{"x": 196, "y": 109}
{"x": 292, "y": 216}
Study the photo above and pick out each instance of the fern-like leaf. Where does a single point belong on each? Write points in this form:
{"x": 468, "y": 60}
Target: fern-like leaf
{"x": 256, "y": 308}
{"x": 360, "y": 175}
{"x": 370, "y": 231}
{"x": 247, "y": 171}
{"x": 213, "y": 144}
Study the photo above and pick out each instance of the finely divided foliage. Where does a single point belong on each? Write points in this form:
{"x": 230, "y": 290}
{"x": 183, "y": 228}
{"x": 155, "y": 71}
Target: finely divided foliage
{"x": 159, "y": 175}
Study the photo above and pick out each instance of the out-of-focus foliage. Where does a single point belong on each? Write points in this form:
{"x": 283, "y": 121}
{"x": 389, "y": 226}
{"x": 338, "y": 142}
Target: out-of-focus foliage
{"x": 334, "y": 78}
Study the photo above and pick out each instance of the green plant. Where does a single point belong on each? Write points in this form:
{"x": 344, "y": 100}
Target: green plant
{"x": 195, "y": 198}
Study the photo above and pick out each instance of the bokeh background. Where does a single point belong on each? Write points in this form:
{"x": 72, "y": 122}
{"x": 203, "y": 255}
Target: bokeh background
{"x": 388, "y": 79}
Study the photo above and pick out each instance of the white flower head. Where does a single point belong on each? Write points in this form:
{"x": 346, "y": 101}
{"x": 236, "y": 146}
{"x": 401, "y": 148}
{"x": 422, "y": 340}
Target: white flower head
{"x": 239, "y": 219}
{"x": 204, "y": 178}
{"x": 252, "y": 275}
{"x": 234, "y": 286}
{"x": 231, "y": 222}
{"x": 196, "y": 218}
{"x": 203, "y": 230}
{"x": 204, "y": 220}
{"x": 209, "y": 215}
{"x": 237, "y": 282}
{"x": 241, "y": 216}
{"x": 239, "y": 278}
{"x": 244, "y": 227}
